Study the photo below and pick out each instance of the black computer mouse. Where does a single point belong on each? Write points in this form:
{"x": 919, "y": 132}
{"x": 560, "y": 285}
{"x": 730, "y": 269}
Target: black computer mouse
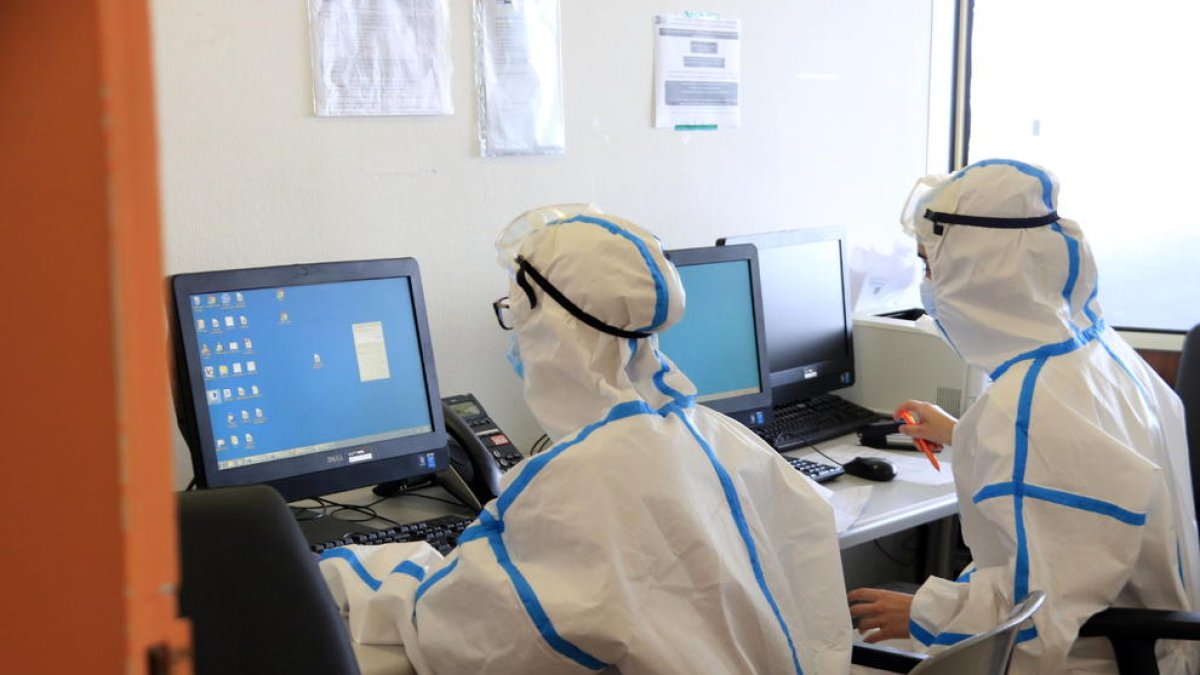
{"x": 870, "y": 468}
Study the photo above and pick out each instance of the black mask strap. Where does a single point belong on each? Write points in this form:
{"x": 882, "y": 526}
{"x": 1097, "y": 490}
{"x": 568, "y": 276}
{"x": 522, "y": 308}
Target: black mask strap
{"x": 526, "y": 271}
{"x": 940, "y": 218}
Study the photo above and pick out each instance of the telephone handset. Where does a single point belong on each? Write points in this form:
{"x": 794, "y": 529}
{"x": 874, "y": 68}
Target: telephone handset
{"x": 479, "y": 451}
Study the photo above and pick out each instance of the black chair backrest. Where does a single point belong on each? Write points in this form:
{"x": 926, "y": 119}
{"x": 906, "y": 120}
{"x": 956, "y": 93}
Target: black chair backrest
{"x": 1187, "y": 385}
{"x": 252, "y": 590}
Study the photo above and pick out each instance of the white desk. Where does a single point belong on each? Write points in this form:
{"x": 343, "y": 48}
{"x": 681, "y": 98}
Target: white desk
{"x": 894, "y": 506}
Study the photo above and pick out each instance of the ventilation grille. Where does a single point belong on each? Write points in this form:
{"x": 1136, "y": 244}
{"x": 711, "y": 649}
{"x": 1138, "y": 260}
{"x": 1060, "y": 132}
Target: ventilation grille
{"x": 950, "y": 399}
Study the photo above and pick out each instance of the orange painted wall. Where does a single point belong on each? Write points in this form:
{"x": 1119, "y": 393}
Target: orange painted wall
{"x": 88, "y": 545}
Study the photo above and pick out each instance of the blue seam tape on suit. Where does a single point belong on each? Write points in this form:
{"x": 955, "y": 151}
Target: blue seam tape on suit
{"x": 743, "y": 528}
{"x": 660, "y": 285}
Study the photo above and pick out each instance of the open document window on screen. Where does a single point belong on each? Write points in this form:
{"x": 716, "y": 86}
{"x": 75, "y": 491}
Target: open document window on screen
{"x": 311, "y": 378}
{"x": 718, "y": 342}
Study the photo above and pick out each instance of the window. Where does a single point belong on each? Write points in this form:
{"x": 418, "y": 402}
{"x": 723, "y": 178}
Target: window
{"x": 1103, "y": 95}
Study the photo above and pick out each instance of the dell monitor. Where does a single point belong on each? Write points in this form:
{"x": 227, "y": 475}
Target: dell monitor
{"x": 718, "y": 342}
{"x": 807, "y": 306}
{"x": 312, "y": 379}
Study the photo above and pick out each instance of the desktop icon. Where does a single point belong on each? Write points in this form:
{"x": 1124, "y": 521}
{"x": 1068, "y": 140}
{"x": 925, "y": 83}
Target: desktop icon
{"x": 283, "y": 317}
{"x": 203, "y": 350}
{"x": 253, "y": 387}
{"x": 279, "y": 295}
{"x": 230, "y": 420}
{"x": 208, "y": 371}
{"x": 212, "y": 300}
{"x": 200, "y": 324}
{"x": 249, "y": 439}
{"x": 195, "y": 301}
{"x": 216, "y": 324}
{"x": 229, "y": 322}
{"x": 220, "y": 443}
{"x": 220, "y": 348}
{"x": 214, "y": 396}
{"x": 247, "y": 344}
{"x": 250, "y": 367}
{"x": 258, "y": 413}
{"x": 233, "y": 346}
{"x": 241, "y": 392}
{"x": 224, "y": 298}
{"x": 237, "y": 369}
{"x": 223, "y": 371}
{"x": 233, "y": 440}
{"x": 316, "y": 360}
{"x": 243, "y": 321}
{"x": 228, "y": 394}
{"x": 240, "y": 298}
{"x": 245, "y": 415}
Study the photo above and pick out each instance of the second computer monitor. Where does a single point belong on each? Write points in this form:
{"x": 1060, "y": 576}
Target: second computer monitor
{"x": 718, "y": 342}
{"x": 807, "y": 310}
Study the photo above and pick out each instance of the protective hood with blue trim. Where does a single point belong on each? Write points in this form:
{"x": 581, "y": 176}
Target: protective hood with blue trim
{"x": 654, "y": 537}
{"x": 611, "y": 270}
{"x": 1072, "y": 469}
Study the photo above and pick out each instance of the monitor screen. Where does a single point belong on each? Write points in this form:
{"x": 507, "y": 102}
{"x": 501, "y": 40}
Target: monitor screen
{"x": 806, "y": 303}
{"x": 717, "y": 342}
{"x": 311, "y": 378}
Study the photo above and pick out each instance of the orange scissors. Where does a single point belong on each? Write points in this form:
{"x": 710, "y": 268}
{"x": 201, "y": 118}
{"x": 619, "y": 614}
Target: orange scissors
{"x": 921, "y": 443}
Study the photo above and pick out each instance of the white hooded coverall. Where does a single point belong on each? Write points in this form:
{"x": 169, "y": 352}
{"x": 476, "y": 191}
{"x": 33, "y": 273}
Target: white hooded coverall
{"x": 655, "y": 536}
{"x": 1072, "y": 469}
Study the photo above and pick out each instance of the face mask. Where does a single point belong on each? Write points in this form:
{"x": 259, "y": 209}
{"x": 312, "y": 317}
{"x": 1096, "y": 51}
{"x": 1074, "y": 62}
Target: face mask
{"x": 514, "y": 356}
{"x": 927, "y": 298}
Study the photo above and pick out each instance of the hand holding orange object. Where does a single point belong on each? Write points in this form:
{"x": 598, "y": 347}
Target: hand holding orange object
{"x": 922, "y": 444}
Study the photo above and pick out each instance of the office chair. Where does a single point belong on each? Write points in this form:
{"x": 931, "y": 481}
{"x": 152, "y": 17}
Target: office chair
{"x": 1133, "y": 632}
{"x": 252, "y": 590}
{"x": 988, "y": 653}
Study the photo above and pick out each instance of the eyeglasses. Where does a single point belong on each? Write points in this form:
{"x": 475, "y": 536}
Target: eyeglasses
{"x": 503, "y": 313}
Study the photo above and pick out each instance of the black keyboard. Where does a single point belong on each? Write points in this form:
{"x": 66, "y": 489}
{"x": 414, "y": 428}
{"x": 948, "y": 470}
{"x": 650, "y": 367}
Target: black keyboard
{"x": 815, "y": 470}
{"x": 440, "y": 533}
{"x": 814, "y": 420}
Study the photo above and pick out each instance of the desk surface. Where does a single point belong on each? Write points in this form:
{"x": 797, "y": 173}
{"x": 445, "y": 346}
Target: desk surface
{"x": 894, "y": 506}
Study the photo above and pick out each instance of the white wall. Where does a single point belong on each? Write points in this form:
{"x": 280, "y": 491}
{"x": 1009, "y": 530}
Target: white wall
{"x": 833, "y": 131}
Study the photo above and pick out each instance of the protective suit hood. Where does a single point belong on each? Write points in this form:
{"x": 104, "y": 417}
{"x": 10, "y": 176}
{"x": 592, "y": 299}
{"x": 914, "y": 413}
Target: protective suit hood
{"x": 594, "y": 345}
{"x": 1010, "y": 275}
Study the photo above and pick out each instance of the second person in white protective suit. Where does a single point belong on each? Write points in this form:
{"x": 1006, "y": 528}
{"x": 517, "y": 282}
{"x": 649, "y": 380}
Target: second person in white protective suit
{"x": 1072, "y": 469}
{"x": 655, "y": 536}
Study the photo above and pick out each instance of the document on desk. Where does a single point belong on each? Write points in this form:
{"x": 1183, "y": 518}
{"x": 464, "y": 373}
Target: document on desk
{"x": 910, "y": 467}
{"x": 847, "y": 503}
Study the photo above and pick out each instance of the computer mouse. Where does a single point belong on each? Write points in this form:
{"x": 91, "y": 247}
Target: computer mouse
{"x": 870, "y": 468}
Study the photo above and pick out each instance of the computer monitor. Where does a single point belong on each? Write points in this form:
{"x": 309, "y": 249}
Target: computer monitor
{"x": 807, "y": 306}
{"x": 313, "y": 379}
{"x": 718, "y": 342}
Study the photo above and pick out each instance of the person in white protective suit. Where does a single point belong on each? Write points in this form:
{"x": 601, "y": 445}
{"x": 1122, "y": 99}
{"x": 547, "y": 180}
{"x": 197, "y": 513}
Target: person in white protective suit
{"x": 1072, "y": 468}
{"x": 655, "y": 536}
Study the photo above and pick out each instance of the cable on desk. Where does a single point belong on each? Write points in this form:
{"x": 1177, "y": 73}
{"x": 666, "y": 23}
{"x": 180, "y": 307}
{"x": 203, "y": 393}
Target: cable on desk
{"x": 540, "y": 444}
{"x": 818, "y": 451}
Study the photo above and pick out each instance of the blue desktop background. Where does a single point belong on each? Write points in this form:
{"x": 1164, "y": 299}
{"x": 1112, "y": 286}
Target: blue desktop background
{"x": 303, "y": 405}
{"x": 714, "y": 344}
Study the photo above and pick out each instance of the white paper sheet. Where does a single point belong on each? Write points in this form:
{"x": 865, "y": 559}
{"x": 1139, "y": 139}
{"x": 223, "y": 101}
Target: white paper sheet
{"x": 910, "y": 467}
{"x": 380, "y": 57}
{"x": 519, "y": 77}
{"x": 847, "y": 503}
{"x": 697, "y": 78}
